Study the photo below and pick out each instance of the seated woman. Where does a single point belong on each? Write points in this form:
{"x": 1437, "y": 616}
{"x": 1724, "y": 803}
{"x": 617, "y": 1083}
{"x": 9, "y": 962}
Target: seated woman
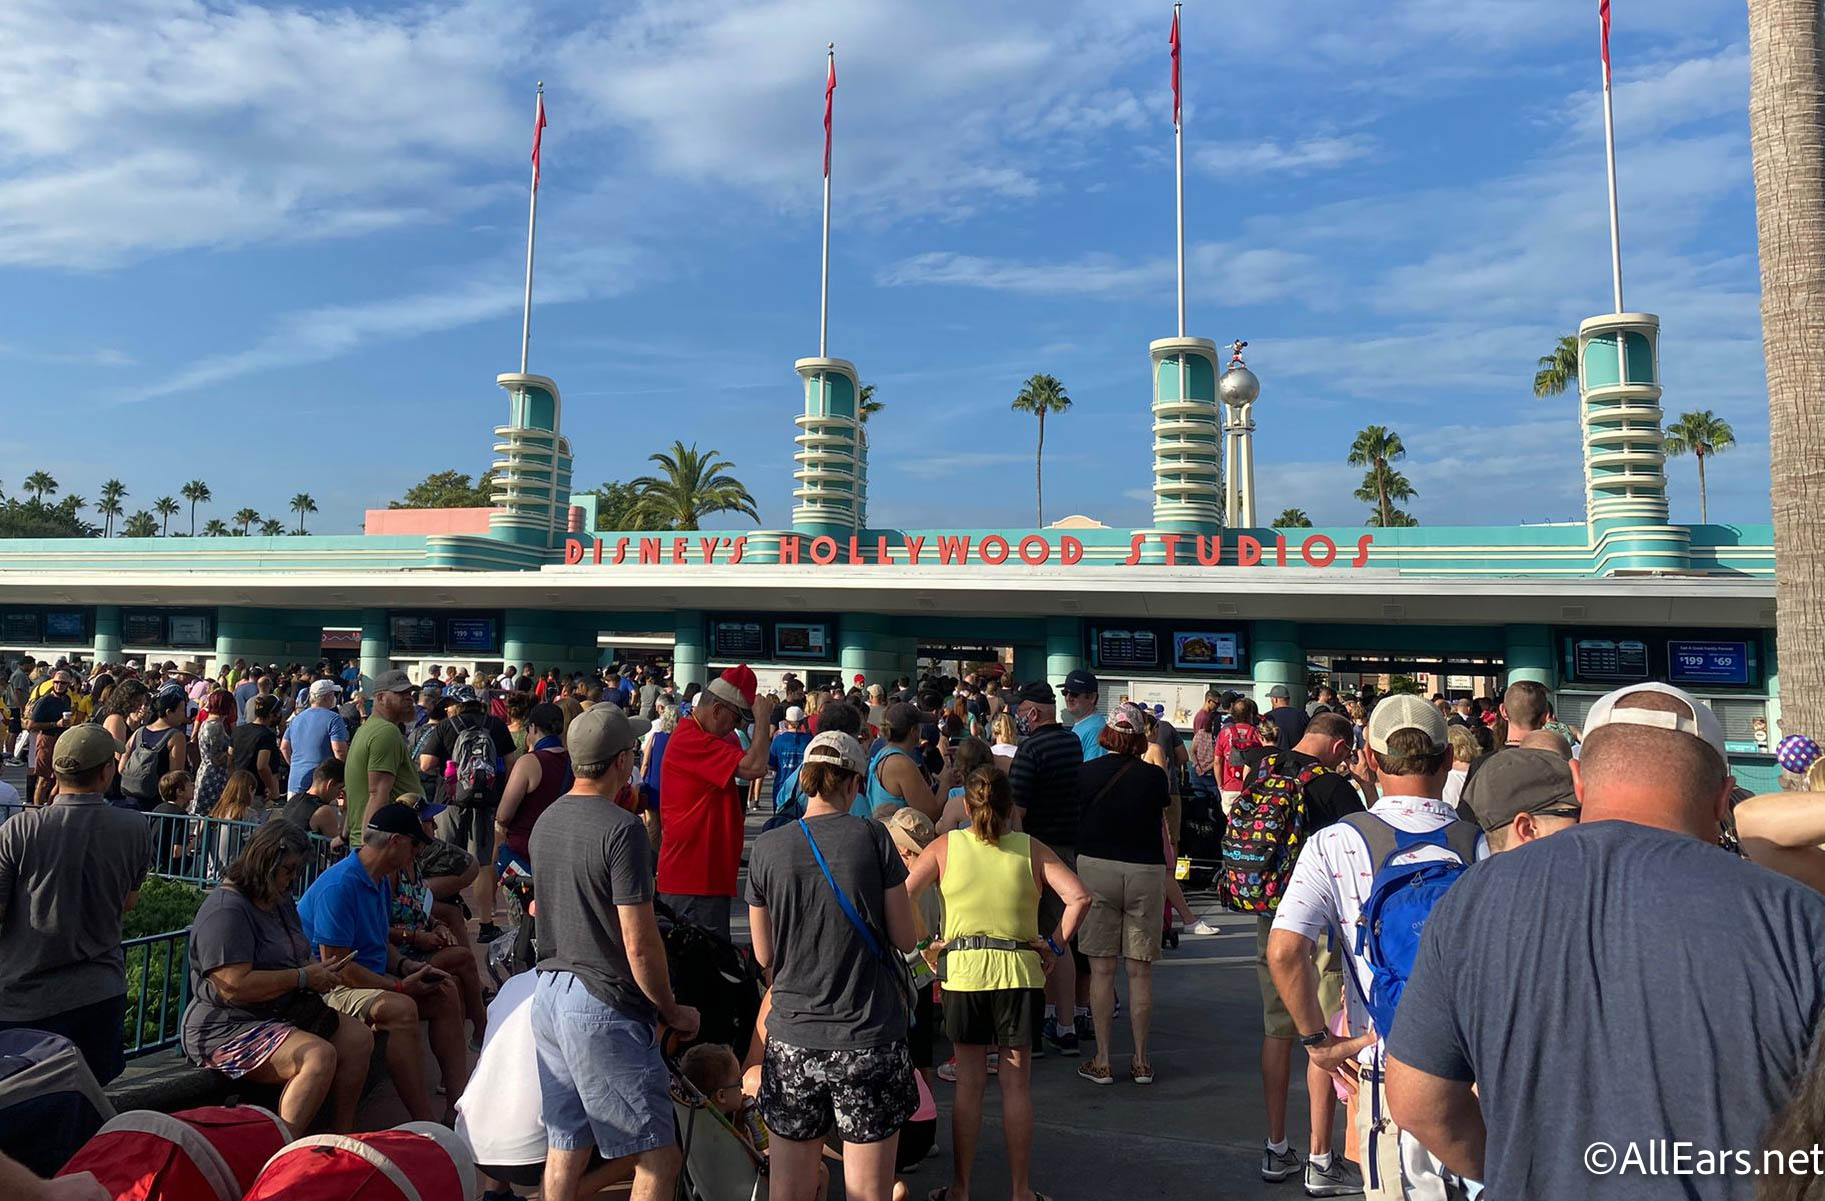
{"x": 255, "y": 1009}
{"x": 415, "y": 927}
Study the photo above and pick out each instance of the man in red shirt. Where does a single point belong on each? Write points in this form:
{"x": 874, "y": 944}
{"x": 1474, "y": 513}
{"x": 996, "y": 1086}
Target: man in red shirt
{"x": 700, "y": 808}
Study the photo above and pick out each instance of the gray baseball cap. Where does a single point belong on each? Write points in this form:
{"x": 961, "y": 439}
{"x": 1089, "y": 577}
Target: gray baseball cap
{"x": 601, "y": 732}
{"x": 393, "y": 680}
{"x": 1520, "y": 780}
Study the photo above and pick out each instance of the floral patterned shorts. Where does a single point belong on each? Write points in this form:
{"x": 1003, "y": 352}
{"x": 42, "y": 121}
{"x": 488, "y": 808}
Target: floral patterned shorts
{"x": 868, "y": 1094}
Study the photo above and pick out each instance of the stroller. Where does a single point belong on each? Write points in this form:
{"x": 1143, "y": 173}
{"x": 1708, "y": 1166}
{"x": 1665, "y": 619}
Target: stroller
{"x": 714, "y": 976}
{"x": 719, "y": 1163}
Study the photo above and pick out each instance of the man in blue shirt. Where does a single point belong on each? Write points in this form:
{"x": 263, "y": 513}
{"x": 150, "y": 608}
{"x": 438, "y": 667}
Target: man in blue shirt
{"x": 315, "y": 734}
{"x": 787, "y": 750}
{"x": 1087, "y": 722}
{"x": 345, "y": 914}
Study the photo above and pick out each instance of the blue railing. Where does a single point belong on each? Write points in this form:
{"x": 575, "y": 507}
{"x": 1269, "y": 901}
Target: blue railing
{"x": 158, "y": 989}
{"x": 197, "y": 850}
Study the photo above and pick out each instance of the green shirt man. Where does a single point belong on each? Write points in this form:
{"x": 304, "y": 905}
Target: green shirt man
{"x": 380, "y": 747}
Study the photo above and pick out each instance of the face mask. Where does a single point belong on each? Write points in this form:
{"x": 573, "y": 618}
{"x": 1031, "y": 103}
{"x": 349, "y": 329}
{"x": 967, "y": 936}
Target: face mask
{"x": 1023, "y": 723}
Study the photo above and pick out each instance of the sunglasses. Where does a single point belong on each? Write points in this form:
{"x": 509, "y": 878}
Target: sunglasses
{"x": 1571, "y": 811}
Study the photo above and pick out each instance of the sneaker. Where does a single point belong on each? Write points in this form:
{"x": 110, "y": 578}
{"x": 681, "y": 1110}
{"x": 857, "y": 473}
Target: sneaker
{"x": 1277, "y": 1167}
{"x": 1095, "y": 1073}
{"x": 1066, "y": 1043}
{"x": 1341, "y": 1179}
{"x": 947, "y": 1071}
{"x": 488, "y": 932}
{"x": 1086, "y": 1029}
{"x": 1205, "y": 928}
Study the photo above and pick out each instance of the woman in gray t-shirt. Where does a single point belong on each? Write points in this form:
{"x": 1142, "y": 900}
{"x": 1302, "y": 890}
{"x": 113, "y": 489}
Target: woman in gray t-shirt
{"x": 836, "y": 1039}
{"x": 255, "y": 1009}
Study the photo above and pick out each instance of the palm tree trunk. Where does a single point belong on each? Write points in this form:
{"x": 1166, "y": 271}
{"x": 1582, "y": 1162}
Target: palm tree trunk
{"x": 193, "y": 519}
{"x": 1787, "y": 141}
{"x": 1704, "y": 507}
{"x": 1039, "y": 479}
{"x": 164, "y": 530}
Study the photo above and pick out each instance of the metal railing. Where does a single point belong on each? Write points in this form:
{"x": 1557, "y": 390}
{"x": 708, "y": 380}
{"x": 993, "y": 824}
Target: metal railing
{"x": 197, "y": 849}
{"x": 158, "y": 989}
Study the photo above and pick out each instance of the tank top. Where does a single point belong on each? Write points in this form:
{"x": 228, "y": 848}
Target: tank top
{"x": 554, "y": 782}
{"x": 989, "y": 889}
{"x": 876, "y": 794}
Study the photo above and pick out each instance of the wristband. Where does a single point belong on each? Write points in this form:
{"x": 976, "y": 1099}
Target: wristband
{"x": 1314, "y": 1040}
{"x": 302, "y": 977}
{"x": 1053, "y": 944}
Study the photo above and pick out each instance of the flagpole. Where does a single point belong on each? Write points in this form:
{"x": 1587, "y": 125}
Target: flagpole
{"x": 1609, "y": 146}
{"x": 532, "y": 225}
{"x": 1178, "y": 141}
{"x": 823, "y": 314}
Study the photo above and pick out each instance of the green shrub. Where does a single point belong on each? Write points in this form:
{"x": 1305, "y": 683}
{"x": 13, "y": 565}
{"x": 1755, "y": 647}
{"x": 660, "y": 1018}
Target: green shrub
{"x": 165, "y": 907}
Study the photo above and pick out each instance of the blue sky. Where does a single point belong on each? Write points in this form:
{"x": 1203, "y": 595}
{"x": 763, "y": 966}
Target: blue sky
{"x": 281, "y": 248}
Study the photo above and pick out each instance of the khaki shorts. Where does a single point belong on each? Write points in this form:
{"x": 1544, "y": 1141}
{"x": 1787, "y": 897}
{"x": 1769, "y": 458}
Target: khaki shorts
{"x": 1230, "y": 799}
{"x": 1175, "y": 817}
{"x": 1279, "y": 1022}
{"x": 1127, "y": 909}
{"x": 356, "y": 1002}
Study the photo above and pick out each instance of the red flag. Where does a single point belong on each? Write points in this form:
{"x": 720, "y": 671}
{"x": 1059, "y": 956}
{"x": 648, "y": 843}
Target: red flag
{"x": 1603, "y": 10}
{"x": 829, "y": 99}
{"x": 1175, "y": 58}
{"x": 538, "y": 136}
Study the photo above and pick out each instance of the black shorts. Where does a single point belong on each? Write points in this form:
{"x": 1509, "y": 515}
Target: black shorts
{"x": 924, "y": 1032}
{"x": 1001, "y": 1017}
{"x": 866, "y": 1095}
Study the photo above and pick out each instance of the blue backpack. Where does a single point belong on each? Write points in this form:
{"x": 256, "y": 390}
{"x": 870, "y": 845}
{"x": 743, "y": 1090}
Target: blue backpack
{"x": 1400, "y": 899}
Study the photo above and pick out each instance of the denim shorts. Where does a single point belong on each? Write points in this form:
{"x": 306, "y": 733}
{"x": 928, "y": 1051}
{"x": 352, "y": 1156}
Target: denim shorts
{"x": 602, "y": 1081}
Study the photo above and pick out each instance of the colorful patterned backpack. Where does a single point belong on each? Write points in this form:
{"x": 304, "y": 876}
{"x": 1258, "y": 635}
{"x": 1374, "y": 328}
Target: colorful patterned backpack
{"x": 1262, "y": 838}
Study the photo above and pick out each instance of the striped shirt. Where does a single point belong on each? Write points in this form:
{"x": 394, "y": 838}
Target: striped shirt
{"x": 1043, "y": 777}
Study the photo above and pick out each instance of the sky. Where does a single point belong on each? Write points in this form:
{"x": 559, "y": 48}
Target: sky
{"x": 281, "y": 248}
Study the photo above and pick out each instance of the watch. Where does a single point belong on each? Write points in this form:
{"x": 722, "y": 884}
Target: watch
{"x": 1314, "y": 1040}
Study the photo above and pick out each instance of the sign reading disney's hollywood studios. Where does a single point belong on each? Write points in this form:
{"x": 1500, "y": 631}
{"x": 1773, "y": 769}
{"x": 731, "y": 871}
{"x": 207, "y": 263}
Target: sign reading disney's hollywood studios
{"x": 1146, "y": 549}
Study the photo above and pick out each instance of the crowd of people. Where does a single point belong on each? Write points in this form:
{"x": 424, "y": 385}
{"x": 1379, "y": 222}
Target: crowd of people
{"x": 965, "y": 857}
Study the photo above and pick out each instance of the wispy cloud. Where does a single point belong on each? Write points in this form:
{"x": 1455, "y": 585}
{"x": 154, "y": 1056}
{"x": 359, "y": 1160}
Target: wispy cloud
{"x": 1241, "y": 274}
{"x": 1309, "y": 154}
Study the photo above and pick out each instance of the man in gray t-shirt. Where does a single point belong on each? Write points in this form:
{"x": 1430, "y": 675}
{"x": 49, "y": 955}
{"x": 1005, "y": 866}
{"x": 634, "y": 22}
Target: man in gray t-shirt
{"x": 602, "y": 973}
{"x": 68, "y": 874}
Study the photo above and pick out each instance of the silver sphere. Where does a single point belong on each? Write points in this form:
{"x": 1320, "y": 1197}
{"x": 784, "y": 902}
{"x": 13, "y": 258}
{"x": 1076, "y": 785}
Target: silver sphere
{"x": 1238, "y": 387}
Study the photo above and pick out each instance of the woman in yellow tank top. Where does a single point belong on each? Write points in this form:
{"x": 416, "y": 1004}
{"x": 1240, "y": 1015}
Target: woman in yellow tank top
{"x": 995, "y": 964}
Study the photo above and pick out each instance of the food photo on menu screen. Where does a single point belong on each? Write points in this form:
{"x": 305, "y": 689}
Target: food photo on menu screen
{"x": 1204, "y": 651}
{"x": 801, "y": 640}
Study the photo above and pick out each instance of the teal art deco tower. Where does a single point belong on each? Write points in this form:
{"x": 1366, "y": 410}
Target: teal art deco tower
{"x": 1625, "y": 479}
{"x": 532, "y": 467}
{"x": 1187, "y": 450}
{"x": 832, "y": 457}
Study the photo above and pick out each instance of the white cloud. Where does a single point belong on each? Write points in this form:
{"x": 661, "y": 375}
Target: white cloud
{"x": 161, "y": 125}
{"x": 1239, "y": 275}
{"x": 1309, "y": 154}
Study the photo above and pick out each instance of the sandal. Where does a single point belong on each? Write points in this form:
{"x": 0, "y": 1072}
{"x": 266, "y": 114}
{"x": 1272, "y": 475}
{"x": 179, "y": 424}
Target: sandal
{"x": 1095, "y": 1073}
{"x": 1143, "y": 1073}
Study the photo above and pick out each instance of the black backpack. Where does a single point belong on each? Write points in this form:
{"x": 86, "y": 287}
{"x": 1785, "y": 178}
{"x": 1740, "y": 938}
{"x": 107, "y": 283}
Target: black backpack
{"x": 145, "y": 765}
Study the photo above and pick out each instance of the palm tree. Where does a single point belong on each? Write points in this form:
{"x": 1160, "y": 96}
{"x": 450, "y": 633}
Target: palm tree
{"x": 1041, "y": 394}
{"x": 694, "y": 485}
{"x": 196, "y": 492}
{"x": 40, "y": 485}
{"x": 166, "y": 508}
{"x": 247, "y": 517}
{"x": 110, "y": 507}
{"x": 75, "y": 502}
{"x": 866, "y": 405}
{"x": 1292, "y": 519}
{"x": 217, "y": 528}
{"x": 1700, "y": 433}
{"x": 1376, "y": 448}
{"x": 1787, "y": 147}
{"x": 272, "y": 527}
{"x": 1558, "y": 370}
{"x": 141, "y": 525}
{"x": 302, "y": 504}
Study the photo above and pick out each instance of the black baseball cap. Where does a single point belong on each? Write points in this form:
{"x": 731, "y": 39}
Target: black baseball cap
{"x": 397, "y": 819}
{"x": 1037, "y": 691}
{"x": 1081, "y": 682}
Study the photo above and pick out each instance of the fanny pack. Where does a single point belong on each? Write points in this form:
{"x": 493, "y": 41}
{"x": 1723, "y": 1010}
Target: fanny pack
{"x": 976, "y": 942}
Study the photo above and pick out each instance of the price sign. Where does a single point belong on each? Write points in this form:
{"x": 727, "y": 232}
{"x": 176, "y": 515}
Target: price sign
{"x": 1708, "y": 663}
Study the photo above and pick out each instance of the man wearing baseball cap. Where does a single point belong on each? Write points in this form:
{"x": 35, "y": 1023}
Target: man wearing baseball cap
{"x": 1580, "y": 945}
{"x": 317, "y": 733}
{"x": 1523, "y": 795}
{"x": 603, "y": 1084}
{"x": 701, "y": 808}
{"x": 1408, "y": 756}
{"x": 380, "y": 767}
{"x": 68, "y": 874}
{"x": 1081, "y": 696}
{"x": 788, "y": 749}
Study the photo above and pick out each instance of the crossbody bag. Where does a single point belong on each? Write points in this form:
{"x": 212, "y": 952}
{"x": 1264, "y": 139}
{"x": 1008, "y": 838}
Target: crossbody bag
{"x": 891, "y": 961}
